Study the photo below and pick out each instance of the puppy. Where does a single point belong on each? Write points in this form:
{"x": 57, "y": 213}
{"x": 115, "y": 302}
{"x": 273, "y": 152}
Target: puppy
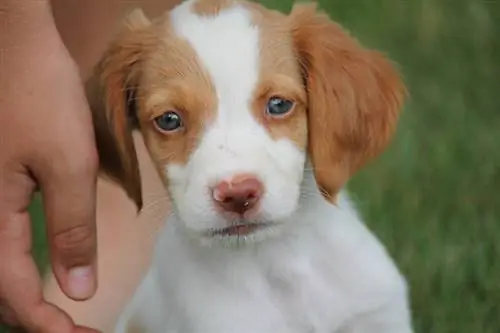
{"x": 255, "y": 121}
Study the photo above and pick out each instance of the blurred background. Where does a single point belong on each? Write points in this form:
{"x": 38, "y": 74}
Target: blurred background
{"x": 432, "y": 196}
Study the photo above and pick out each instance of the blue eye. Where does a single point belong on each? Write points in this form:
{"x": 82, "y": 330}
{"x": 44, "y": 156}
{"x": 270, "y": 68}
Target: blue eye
{"x": 169, "y": 121}
{"x": 277, "y": 106}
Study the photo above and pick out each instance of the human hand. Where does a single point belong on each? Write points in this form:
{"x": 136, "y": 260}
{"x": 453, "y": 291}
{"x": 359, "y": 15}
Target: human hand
{"x": 46, "y": 142}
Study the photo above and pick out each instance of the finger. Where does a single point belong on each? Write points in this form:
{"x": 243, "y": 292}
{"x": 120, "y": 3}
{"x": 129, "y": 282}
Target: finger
{"x": 69, "y": 201}
{"x": 20, "y": 283}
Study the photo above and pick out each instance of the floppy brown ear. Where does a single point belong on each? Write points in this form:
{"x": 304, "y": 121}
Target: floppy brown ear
{"x": 111, "y": 92}
{"x": 354, "y": 98}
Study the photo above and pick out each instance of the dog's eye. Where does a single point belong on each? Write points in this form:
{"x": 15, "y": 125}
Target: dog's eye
{"x": 277, "y": 106}
{"x": 169, "y": 121}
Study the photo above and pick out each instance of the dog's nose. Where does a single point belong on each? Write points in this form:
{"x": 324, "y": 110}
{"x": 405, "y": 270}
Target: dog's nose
{"x": 239, "y": 195}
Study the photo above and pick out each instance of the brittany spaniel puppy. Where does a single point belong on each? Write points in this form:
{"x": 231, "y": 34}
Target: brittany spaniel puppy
{"x": 255, "y": 121}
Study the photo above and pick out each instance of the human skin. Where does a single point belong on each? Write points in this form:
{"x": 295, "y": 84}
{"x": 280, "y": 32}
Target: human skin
{"x": 125, "y": 242}
{"x": 42, "y": 101}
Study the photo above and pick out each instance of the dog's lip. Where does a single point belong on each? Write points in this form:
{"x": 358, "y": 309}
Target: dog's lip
{"x": 241, "y": 229}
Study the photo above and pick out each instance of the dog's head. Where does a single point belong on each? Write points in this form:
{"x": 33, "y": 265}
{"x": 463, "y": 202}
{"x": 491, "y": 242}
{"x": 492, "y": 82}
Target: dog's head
{"x": 232, "y": 100}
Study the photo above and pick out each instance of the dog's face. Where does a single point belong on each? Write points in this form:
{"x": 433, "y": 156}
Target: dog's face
{"x": 232, "y": 99}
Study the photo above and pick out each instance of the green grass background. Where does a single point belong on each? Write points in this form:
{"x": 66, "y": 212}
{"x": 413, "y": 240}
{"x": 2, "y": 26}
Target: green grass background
{"x": 432, "y": 197}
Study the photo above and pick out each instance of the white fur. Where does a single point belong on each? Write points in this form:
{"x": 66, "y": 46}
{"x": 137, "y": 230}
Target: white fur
{"x": 317, "y": 268}
{"x": 327, "y": 273}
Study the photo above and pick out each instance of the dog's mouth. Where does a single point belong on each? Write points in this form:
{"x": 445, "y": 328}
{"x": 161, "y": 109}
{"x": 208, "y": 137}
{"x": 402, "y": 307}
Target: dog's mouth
{"x": 242, "y": 229}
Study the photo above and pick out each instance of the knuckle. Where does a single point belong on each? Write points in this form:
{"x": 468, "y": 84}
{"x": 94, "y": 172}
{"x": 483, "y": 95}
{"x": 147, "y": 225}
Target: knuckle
{"x": 76, "y": 244}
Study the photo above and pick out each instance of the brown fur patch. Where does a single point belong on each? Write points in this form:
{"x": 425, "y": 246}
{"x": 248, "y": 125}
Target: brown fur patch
{"x": 355, "y": 97}
{"x": 161, "y": 73}
{"x": 175, "y": 81}
{"x": 292, "y": 126}
{"x": 211, "y": 7}
{"x": 279, "y": 76}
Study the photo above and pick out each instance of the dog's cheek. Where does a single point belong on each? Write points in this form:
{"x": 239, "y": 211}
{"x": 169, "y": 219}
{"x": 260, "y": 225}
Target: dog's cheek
{"x": 175, "y": 176}
{"x": 189, "y": 196}
{"x": 285, "y": 178}
{"x": 178, "y": 187}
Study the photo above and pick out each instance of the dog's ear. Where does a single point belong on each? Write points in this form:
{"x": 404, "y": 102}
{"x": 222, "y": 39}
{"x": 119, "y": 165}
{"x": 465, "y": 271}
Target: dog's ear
{"x": 111, "y": 92}
{"x": 354, "y": 98}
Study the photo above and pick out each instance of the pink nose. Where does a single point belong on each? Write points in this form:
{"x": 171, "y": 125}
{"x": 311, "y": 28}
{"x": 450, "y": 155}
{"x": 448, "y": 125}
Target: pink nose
{"x": 239, "y": 195}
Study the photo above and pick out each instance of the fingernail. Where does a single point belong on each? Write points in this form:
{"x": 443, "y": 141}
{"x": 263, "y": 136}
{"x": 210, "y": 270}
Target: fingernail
{"x": 81, "y": 282}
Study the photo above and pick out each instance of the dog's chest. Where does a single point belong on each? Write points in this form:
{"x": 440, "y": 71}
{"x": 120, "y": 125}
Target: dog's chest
{"x": 291, "y": 296}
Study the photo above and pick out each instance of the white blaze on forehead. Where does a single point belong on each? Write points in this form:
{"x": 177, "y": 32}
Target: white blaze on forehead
{"x": 227, "y": 46}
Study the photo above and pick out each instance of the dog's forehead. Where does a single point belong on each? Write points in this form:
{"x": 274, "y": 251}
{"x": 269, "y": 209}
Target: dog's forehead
{"x": 226, "y": 43}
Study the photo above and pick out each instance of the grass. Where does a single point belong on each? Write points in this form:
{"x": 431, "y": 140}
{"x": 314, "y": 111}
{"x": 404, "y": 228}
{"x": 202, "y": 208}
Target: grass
{"x": 432, "y": 197}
